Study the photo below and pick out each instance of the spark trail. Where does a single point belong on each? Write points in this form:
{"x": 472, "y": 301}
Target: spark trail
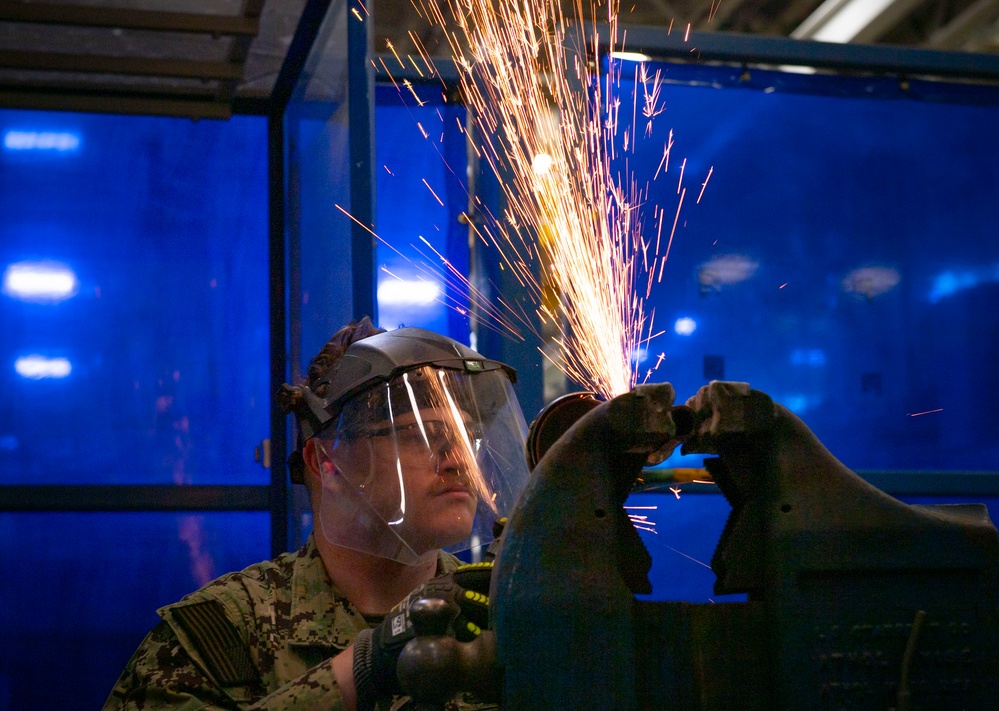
{"x": 547, "y": 122}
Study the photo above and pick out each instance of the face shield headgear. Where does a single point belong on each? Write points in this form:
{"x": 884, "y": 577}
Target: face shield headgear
{"x": 422, "y": 447}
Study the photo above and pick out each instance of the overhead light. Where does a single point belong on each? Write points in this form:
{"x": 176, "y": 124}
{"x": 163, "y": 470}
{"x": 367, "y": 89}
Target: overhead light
{"x": 42, "y": 281}
{"x": 725, "y": 270}
{"x": 37, "y": 367}
{"x": 871, "y": 281}
{"x": 843, "y": 20}
{"x": 40, "y": 141}
{"x": 631, "y": 56}
{"x": 685, "y": 326}
{"x": 407, "y": 292}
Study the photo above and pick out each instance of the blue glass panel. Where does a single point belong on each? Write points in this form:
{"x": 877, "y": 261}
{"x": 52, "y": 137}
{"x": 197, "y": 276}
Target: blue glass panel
{"x": 837, "y": 258}
{"x": 318, "y": 152}
{"x": 134, "y": 299}
{"x": 684, "y": 533}
{"x": 421, "y": 188}
{"x": 79, "y": 592}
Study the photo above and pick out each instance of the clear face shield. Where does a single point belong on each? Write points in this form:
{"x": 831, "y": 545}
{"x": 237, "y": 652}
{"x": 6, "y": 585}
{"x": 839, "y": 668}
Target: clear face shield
{"x": 427, "y": 461}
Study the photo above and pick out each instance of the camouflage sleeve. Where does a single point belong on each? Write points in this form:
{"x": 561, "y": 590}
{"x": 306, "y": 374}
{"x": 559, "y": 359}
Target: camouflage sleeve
{"x": 162, "y": 675}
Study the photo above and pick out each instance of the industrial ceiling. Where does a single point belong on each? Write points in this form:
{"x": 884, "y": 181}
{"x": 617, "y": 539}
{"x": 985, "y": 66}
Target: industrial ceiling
{"x": 212, "y": 58}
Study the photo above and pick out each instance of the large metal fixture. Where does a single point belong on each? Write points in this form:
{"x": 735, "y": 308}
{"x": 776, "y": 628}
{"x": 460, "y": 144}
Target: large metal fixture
{"x": 854, "y": 599}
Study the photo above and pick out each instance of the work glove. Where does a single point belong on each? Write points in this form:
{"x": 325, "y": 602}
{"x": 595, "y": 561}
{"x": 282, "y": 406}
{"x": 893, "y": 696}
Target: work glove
{"x": 376, "y": 650}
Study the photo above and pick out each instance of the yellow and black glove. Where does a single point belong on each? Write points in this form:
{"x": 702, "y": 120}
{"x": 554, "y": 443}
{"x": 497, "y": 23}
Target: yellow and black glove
{"x": 376, "y": 650}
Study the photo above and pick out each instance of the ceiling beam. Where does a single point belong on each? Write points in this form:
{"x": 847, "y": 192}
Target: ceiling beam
{"x": 958, "y": 31}
{"x": 889, "y": 18}
{"x": 120, "y": 18}
{"x": 776, "y": 51}
{"x": 97, "y": 64}
{"x": 239, "y": 50}
{"x": 834, "y": 20}
{"x": 720, "y": 11}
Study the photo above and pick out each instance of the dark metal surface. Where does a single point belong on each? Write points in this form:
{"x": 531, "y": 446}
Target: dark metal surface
{"x": 57, "y": 497}
{"x": 855, "y": 600}
{"x": 571, "y": 562}
{"x": 128, "y": 18}
{"x": 278, "y": 272}
{"x": 843, "y": 570}
{"x": 361, "y": 116}
{"x": 552, "y": 422}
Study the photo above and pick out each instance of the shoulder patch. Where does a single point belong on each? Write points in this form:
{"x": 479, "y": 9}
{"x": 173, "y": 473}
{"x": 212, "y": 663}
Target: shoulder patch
{"x": 217, "y": 641}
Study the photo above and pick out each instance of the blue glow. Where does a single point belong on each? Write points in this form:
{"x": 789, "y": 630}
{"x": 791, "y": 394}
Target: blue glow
{"x": 407, "y": 301}
{"x": 685, "y": 326}
{"x": 37, "y": 367}
{"x": 798, "y": 404}
{"x": 951, "y": 282}
{"x": 45, "y": 281}
{"x": 814, "y": 357}
{"x": 61, "y": 142}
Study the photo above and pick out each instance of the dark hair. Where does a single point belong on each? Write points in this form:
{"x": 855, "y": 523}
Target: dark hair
{"x": 324, "y": 365}
{"x": 322, "y": 368}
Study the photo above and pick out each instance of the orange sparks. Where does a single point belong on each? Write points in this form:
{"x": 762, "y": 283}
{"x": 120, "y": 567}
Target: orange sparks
{"x": 641, "y": 521}
{"x": 715, "y": 4}
{"x": 544, "y": 120}
{"x": 705, "y": 184}
{"x": 419, "y": 102}
{"x": 391, "y": 48}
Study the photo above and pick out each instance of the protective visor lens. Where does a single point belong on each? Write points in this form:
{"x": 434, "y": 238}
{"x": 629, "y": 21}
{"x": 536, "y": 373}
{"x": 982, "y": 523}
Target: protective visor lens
{"x": 429, "y": 460}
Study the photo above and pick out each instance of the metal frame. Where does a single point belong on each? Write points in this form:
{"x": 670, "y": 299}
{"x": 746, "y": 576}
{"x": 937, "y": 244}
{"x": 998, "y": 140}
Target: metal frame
{"x": 272, "y": 497}
{"x": 129, "y": 19}
{"x": 699, "y": 47}
{"x": 740, "y": 49}
{"x": 361, "y": 119}
{"x": 757, "y": 50}
{"x": 130, "y": 84}
{"x": 104, "y": 497}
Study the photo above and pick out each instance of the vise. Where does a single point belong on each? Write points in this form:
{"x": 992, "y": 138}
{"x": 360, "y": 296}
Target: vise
{"x": 854, "y": 600}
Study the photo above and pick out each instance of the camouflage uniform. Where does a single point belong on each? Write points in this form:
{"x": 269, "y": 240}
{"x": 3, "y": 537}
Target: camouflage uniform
{"x": 262, "y": 638}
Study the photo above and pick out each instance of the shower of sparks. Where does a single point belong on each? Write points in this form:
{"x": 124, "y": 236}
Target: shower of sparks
{"x": 641, "y": 521}
{"x": 547, "y": 121}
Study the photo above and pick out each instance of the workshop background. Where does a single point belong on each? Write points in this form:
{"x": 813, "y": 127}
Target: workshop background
{"x": 175, "y": 185}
